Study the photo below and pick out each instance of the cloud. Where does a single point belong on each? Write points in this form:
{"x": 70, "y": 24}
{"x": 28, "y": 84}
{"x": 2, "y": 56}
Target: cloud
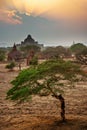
{"x": 67, "y": 10}
{"x": 9, "y": 16}
{"x": 8, "y": 13}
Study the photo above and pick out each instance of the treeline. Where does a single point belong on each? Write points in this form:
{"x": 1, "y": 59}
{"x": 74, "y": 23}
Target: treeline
{"x": 78, "y": 50}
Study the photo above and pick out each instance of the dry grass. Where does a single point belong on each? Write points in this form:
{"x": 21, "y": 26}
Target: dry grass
{"x": 43, "y": 112}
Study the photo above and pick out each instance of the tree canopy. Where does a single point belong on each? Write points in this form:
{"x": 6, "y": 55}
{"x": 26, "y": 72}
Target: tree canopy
{"x": 47, "y": 77}
{"x": 77, "y": 48}
{"x": 26, "y": 49}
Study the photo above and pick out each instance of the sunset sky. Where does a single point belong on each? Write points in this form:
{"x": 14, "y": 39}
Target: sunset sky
{"x": 50, "y": 22}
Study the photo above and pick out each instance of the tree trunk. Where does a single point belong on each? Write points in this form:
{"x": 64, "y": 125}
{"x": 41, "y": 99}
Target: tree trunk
{"x": 62, "y": 103}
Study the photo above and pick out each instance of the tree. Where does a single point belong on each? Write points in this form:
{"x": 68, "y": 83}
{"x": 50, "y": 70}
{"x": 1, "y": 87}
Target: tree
{"x": 65, "y": 52}
{"x": 56, "y": 52}
{"x": 26, "y": 49}
{"x": 77, "y": 48}
{"x": 50, "y": 53}
{"x": 2, "y": 54}
{"x": 34, "y": 61}
{"x": 48, "y": 77}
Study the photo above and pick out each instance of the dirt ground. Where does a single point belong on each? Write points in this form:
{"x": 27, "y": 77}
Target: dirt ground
{"x": 42, "y": 113}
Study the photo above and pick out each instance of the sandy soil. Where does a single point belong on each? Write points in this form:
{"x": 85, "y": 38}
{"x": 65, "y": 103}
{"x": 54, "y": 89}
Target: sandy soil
{"x": 42, "y": 113}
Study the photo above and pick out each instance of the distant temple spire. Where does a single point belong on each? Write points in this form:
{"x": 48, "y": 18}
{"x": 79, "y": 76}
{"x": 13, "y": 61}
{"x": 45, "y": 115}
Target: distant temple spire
{"x": 14, "y": 47}
{"x": 73, "y": 42}
{"x": 14, "y": 54}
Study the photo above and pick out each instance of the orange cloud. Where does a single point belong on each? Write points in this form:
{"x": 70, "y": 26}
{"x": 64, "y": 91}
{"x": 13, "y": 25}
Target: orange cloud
{"x": 9, "y": 17}
{"x": 55, "y": 9}
{"x": 8, "y": 13}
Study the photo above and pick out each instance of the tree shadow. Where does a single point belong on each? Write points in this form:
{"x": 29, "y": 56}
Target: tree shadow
{"x": 59, "y": 125}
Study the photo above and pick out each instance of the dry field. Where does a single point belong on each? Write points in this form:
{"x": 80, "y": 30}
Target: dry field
{"x": 42, "y": 113}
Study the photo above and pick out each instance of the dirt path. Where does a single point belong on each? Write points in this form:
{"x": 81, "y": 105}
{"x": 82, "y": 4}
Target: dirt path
{"x": 42, "y": 113}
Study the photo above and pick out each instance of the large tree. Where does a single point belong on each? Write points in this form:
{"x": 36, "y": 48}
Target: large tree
{"x": 77, "y": 48}
{"x": 49, "y": 78}
{"x": 26, "y": 49}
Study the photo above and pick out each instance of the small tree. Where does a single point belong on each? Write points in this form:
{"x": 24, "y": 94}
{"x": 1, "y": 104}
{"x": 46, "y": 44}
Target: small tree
{"x": 34, "y": 61}
{"x": 2, "y": 55}
{"x": 47, "y": 77}
{"x": 10, "y": 66}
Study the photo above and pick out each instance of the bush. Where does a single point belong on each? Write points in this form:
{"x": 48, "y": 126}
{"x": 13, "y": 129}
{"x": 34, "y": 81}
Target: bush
{"x": 2, "y": 55}
{"x": 10, "y": 66}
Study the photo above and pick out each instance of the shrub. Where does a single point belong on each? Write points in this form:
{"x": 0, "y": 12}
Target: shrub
{"x": 10, "y": 66}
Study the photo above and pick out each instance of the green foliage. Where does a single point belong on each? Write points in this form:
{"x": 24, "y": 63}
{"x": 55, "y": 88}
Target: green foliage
{"x": 2, "y": 55}
{"x": 26, "y": 49}
{"x": 10, "y": 66}
{"x": 80, "y": 51}
{"x": 34, "y": 61}
{"x": 45, "y": 78}
{"x": 77, "y": 48}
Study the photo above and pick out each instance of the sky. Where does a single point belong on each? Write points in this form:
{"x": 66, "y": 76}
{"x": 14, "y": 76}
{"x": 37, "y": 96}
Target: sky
{"x": 50, "y": 22}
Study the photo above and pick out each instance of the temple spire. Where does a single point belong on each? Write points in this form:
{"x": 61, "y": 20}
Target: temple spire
{"x": 14, "y": 47}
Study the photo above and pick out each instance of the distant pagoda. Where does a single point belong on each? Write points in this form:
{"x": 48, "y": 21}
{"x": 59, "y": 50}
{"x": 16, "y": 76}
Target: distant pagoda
{"x": 30, "y": 41}
{"x": 14, "y": 54}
